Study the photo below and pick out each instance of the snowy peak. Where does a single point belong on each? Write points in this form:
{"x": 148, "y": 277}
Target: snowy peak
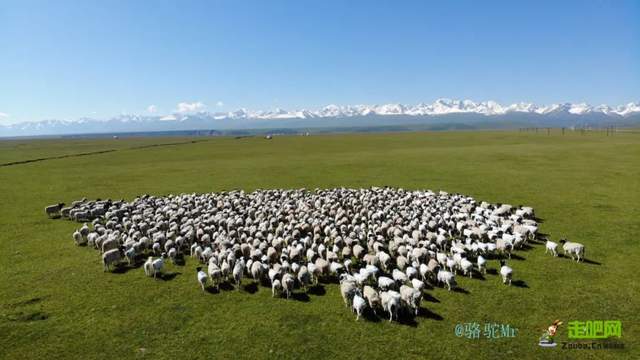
{"x": 337, "y": 115}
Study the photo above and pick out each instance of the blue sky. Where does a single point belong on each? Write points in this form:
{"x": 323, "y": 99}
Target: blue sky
{"x": 69, "y": 59}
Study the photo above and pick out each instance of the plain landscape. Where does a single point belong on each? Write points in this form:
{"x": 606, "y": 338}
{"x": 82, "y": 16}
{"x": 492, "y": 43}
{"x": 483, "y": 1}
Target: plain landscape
{"x": 56, "y": 301}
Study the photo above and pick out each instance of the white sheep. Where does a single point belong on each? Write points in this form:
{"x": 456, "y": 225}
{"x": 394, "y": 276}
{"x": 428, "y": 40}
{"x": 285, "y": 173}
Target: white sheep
{"x": 552, "y": 247}
{"x": 347, "y": 290}
{"x": 411, "y": 298}
{"x": 288, "y": 283}
{"x": 482, "y": 264}
{"x": 467, "y": 267}
{"x": 506, "y": 272}
{"x": 202, "y": 277}
{"x": 573, "y": 248}
{"x": 372, "y": 297}
{"x": 359, "y": 304}
{"x": 391, "y": 303}
{"x": 112, "y": 257}
{"x": 385, "y": 283}
{"x": 276, "y": 288}
{"x": 446, "y": 277}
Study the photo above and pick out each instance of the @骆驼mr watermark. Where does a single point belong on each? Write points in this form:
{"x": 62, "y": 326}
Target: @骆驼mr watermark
{"x": 474, "y": 330}
{"x": 589, "y": 335}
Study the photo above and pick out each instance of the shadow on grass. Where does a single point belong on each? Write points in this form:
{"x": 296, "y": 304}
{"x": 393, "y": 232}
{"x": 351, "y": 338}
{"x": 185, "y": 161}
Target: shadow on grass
{"x": 586, "y": 261}
{"x": 251, "y": 288}
{"x": 492, "y": 271}
{"x": 525, "y": 247}
{"x": 430, "y": 298}
{"x": 212, "y": 290}
{"x": 169, "y": 276}
{"x": 478, "y": 275}
{"x": 318, "y": 290}
{"x": 461, "y": 290}
{"x": 516, "y": 257}
{"x": 428, "y": 314}
{"x": 370, "y": 315}
{"x": 519, "y": 283}
{"x": 300, "y": 296}
{"x": 227, "y": 286}
{"x": 407, "y": 319}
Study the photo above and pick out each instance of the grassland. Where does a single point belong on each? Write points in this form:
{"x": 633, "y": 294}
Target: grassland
{"x": 56, "y": 302}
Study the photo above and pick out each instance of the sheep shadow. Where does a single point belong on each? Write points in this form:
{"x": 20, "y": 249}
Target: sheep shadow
{"x": 478, "y": 275}
{"x": 515, "y": 257}
{"x": 428, "y": 314}
{"x": 586, "y": 261}
{"x": 461, "y": 290}
{"x": 180, "y": 260}
{"x": 212, "y": 290}
{"x": 430, "y": 298}
{"x": 591, "y": 262}
{"x": 227, "y": 286}
{"x": 407, "y": 319}
{"x": 369, "y": 315}
{"x": 492, "y": 271}
{"x": 525, "y": 247}
{"x": 519, "y": 283}
{"x": 251, "y": 288}
{"x": 318, "y": 290}
{"x": 169, "y": 276}
{"x": 300, "y": 296}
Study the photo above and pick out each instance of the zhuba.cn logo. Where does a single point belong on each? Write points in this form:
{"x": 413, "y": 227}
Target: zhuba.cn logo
{"x": 598, "y": 332}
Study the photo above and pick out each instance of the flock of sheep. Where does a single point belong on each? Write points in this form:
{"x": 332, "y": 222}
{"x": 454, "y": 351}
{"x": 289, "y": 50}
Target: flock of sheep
{"x": 383, "y": 245}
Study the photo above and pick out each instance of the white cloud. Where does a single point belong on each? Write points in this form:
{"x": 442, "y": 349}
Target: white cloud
{"x": 152, "y": 109}
{"x": 219, "y": 104}
{"x": 185, "y": 107}
{"x": 3, "y": 115}
{"x": 167, "y": 118}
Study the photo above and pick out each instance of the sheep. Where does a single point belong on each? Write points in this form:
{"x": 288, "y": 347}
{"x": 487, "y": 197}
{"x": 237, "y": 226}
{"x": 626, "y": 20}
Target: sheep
{"x": 131, "y": 255}
{"x": 202, "y": 277}
{"x": 573, "y": 248}
{"x": 372, "y": 297}
{"x": 148, "y": 267}
{"x": 391, "y": 303}
{"x": 276, "y": 288}
{"x": 304, "y": 277}
{"x": 482, "y": 264}
{"x": 467, "y": 267}
{"x": 53, "y": 211}
{"x": 287, "y": 284}
{"x": 411, "y": 298}
{"x": 256, "y": 271}
{"x": 112, "y": 257}
{"x": 359, "y": 304}
{"x": 552, "y": 247}
{"x": 412, "y": 236}
{"x": 418, "y": 285}
{"x": 158, "y": 264}
{"x": 110, "y": 244}
{"x": 446, "y": 277}
{"x": 347, "y": 290}
{"x": 506, "y": 272}
{"x": 238, "y": 269}
{"x": 78, "y": 238}
{"x": 399, "y": 276}
{"x": 385, "y": 283}
{"x": 215, "y": 274}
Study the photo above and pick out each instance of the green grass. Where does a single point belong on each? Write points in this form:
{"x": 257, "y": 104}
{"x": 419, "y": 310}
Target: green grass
{"x": 56, "y": 302}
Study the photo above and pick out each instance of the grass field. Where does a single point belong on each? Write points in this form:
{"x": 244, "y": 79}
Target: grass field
{"x": 56, "y": 302}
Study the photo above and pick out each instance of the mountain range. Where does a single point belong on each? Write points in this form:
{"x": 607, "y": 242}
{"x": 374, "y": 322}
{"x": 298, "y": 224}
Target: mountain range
{"x": 439, "y": 115}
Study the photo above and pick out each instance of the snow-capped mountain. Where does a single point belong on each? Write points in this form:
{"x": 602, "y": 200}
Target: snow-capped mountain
{"x": 441, "y": 112}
